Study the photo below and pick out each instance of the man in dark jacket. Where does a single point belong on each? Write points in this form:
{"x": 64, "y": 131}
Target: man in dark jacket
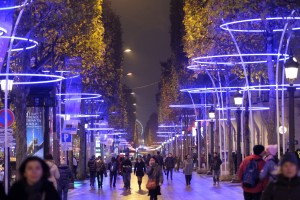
{"x": 253, "y": 193}
{"x": 92, "y": 169}
{"x": 127, "y": 169}
{"x": 64, "y": 180}
{"x": 216, "y": 167}
{"x": 113, "y": 171}
{"x": 170, "y": 164}
{"x": 160, "y": 160}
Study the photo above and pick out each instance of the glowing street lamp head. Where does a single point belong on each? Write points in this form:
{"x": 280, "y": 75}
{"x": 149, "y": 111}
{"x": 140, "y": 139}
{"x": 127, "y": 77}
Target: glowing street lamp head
{"x": 238, "y": 99}
{"x": 129, "y": 74}
{"x": 10, "y": 83}
{"x": 127, "y": 50}
{"x": 132, "y": 93}
{"x": 211, "y": 113}
{"x": 291, "y": 69}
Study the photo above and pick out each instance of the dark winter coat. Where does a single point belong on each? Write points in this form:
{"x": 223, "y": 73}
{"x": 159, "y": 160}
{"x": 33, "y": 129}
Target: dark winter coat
{"x": 127, "y": 166}
{"x": 114, "y": 169}
{"x": 160, "y": 160}
{"x": 283, "y": 189}
{"x": 216, "y": 163}
{"x": 20, "y": 191}
{"x": 92, "y": 165}
{"x": 2, "y": 193}
{"x": 65, "y": 175}
{"x": 139, "y": 168}
{"x": 170, "y": 163}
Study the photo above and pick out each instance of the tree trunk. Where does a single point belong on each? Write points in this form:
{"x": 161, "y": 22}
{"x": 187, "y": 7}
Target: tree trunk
{"x": 82, "y": 152}
{"x": 229, "y": 128}
{"x": 271, "y": 117}
{"x": 21, "y": 93}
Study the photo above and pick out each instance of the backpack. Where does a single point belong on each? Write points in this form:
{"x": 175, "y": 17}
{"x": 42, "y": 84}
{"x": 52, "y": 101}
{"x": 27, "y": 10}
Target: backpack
{"x": 251, "y": 174}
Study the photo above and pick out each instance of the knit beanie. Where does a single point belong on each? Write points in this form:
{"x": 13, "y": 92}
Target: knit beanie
{"x": 258, "y": 149}
{"x": 289, "y": 157}
{"x": 272, "y": 149}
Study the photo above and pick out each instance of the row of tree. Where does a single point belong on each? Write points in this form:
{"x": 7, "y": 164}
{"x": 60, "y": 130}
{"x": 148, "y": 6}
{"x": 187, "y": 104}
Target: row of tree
{"x": 85, "y": 29}
{"x": 195, "y": 31}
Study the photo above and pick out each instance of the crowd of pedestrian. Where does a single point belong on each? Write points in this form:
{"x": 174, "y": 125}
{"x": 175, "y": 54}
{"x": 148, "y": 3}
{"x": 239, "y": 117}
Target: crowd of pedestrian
{"x": 264, "y": 177}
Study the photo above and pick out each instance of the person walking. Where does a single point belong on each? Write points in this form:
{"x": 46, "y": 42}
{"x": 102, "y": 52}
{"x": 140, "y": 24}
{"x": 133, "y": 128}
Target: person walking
{"x": 170, "y": 164}
{"x": 160, "y": 160}
{"x": 271, "y": 164}
{"x": 127, "y": 169}
{"x": 155, "y": 178}
{"x": 33, "y": 183}
{"x": 113, "y": 172}
{"x": 54, "y": 172}
{"x": 249, "y": 171}
{"x": 101, "y": 171}
{"x": 92, "y": 169}
{"x": 188, "y": 169}
{"x": 287, "y": 184}
{"x": 216, "y": 167}
{"x": 64, "y": 180}
{"x": 75, "y": 165}
{"x": 139, "y": 170}
{"x": 148, "y": 159}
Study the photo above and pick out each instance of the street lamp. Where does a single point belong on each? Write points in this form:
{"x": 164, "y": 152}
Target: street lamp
{"x": 291, "y": 72}
{"x": 238, "y": 101}
{"x": 212, "y": 116}
{"x": 127, "y": 50}
{"x": 129, "y": 74}
{"x": 10, "y": 83}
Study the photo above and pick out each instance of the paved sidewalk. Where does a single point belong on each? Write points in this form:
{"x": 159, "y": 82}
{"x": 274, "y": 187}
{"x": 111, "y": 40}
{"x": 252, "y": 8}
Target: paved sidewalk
{"x": 201, "y": 189}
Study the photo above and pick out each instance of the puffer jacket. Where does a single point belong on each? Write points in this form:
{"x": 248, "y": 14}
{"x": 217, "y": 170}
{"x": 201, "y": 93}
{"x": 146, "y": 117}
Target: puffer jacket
{"x": 54, "y": 173}
{"x": 65, "y": 175}
{"x": 155, "y": 172}
{"x": 188, "y": 167}
{"x": 283, "y": 189}
{"x": 268, "y": 169}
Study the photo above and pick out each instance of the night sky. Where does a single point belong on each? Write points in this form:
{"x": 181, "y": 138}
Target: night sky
{"x": 145, "y": 25}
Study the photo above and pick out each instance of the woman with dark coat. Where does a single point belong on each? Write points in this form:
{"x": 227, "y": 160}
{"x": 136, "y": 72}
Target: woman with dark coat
{"x": 154, "y": 172}
{"x": 2, "y": 192}
{"x": 139, "y": 170}
{"x": 33, "y": 183}
{"x": 287, "y": 185}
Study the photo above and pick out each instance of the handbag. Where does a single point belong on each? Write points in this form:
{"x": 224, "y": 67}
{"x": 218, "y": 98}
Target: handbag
{"x": 151, "y": 184}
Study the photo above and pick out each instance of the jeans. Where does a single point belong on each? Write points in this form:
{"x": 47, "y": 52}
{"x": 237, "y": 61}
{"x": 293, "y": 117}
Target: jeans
{"x": 126, "y": 178}
{"x": 188, "y": 179}
{"x": 92, "y": 178}
{"x": 252, "y": 196}
{"x": 63, "y": 191}
{"x": 216, "y": 175}
{"x": 113, "y": 178}
{"x": 100, "y": 179}
{"x": 170, "y": 170}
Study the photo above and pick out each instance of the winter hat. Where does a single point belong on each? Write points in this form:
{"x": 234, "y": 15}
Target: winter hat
{"x": 258, "y": 149}
{"x": 289, "y": 157}
{"x": 272, "y": 149}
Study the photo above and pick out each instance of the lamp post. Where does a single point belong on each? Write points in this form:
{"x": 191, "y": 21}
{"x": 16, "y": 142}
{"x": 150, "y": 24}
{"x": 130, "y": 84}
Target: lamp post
{"x": 238, "y": 101}
{"x": 291, "y": 73}
{"x": 212, "y": 116}
{"x": 6, "y": 87}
